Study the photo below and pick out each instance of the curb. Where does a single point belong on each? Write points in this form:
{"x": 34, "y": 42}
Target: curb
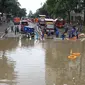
{"x": 3, "y": 35}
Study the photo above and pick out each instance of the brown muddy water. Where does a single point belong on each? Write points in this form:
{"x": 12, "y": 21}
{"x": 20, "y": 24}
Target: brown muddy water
{"x": 29, "y": 62}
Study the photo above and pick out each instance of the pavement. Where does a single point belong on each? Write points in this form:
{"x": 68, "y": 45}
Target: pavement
{"x": 12, "y": 35}
{"x": 2, "y": 28}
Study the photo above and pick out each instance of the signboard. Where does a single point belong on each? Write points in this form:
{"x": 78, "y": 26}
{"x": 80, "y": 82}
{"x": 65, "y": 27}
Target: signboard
{"x": 17, "y": 20}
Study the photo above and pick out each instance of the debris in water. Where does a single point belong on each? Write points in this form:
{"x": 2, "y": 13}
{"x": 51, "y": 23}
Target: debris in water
{"x": 64, "y": 84}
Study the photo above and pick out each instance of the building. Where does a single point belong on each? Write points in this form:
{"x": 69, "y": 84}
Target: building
{"x": 77, "y": 16}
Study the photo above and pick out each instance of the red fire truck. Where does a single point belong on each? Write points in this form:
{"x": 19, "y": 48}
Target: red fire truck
{"x": 59, "y": 23}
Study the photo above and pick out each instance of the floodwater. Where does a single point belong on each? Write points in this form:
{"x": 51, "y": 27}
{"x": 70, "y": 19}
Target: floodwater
{"x": 29, "y": 62}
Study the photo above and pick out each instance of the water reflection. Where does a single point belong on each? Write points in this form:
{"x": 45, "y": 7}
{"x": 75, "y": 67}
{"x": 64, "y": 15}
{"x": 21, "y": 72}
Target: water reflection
{"x": 8, "y": 44}
{"x": 26, "y": 43}
{"x": 29, "y": 62}
{"x": 59, "y": 69}
{"x": 7, "y": 73}
{"x": 21, "y": 62}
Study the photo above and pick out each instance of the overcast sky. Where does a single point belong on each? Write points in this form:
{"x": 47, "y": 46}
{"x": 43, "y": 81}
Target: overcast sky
{"x": 31, "y": 4}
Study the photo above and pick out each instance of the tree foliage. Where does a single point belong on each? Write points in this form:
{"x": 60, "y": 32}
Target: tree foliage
{"x": 12, "y": 7}
{"x": 62, "y": 8}
{"x": 30, "y": 15}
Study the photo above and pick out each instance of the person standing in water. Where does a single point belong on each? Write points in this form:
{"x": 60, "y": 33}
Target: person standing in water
{"x": 73, "y": 31}
{"x": 37, "y": 36}
{"x": 57, "y": 32}
{"x": 42, "y": 34}
{"x": 63, "y": 36}
{"x": 15, "y": 30}
{"x": 77, "y": 33}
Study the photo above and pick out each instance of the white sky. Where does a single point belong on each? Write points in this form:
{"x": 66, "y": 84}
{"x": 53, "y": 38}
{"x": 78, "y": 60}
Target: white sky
{"x": 31, "y": 4}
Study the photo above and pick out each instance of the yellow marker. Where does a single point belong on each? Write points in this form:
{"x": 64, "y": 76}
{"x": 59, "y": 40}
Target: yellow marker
{"x": 71, "y": 51}
{"x": 76, "y": 54}
{"x": 72, "y": 57}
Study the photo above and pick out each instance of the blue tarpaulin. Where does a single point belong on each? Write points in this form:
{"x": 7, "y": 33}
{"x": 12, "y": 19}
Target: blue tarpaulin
{"x": 28, "y": 29}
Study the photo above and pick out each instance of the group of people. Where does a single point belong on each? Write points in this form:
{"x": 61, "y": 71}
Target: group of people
{"x": 71, "y": 31}
{"x": 15, "y": 29}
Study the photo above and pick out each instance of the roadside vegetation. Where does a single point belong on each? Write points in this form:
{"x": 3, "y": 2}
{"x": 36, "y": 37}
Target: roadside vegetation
{"x": 12, "y": 7}
{"x": 61, "y": 8}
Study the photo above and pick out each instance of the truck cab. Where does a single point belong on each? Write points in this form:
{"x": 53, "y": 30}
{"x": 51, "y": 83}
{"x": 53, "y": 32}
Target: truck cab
{"x": 23, "y": 23}
{"x": 49, "y": 25}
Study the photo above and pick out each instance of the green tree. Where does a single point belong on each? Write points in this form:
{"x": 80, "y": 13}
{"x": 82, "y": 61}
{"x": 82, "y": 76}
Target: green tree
{"x": 12, "y": 7}
{"x": 6, "y": 5}
{"x": 30, "y": 14}
{"x": 62, "y": 8}
{"x": 51, "y": 6}
{"x": 22, "y": 12}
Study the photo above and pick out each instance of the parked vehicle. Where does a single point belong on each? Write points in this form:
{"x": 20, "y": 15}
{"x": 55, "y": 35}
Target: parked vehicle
{"x": 42, "y": 21}
{"x": 49, "y": 25}
{"x": 42, "y": 24}
{"x": 29, "y": 20}
{"x": 59, "y": 23}
{"x": 29, "y": 31}
{"x": 23, "y": 23}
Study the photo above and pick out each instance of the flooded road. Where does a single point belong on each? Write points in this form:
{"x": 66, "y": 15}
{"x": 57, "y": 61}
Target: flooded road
{"x": 29, "y": 62}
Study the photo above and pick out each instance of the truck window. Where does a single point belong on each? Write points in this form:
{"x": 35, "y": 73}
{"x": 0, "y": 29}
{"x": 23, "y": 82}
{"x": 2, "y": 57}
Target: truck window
{"x": 50, "y": 26}
{"x": 24, "y": 23}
